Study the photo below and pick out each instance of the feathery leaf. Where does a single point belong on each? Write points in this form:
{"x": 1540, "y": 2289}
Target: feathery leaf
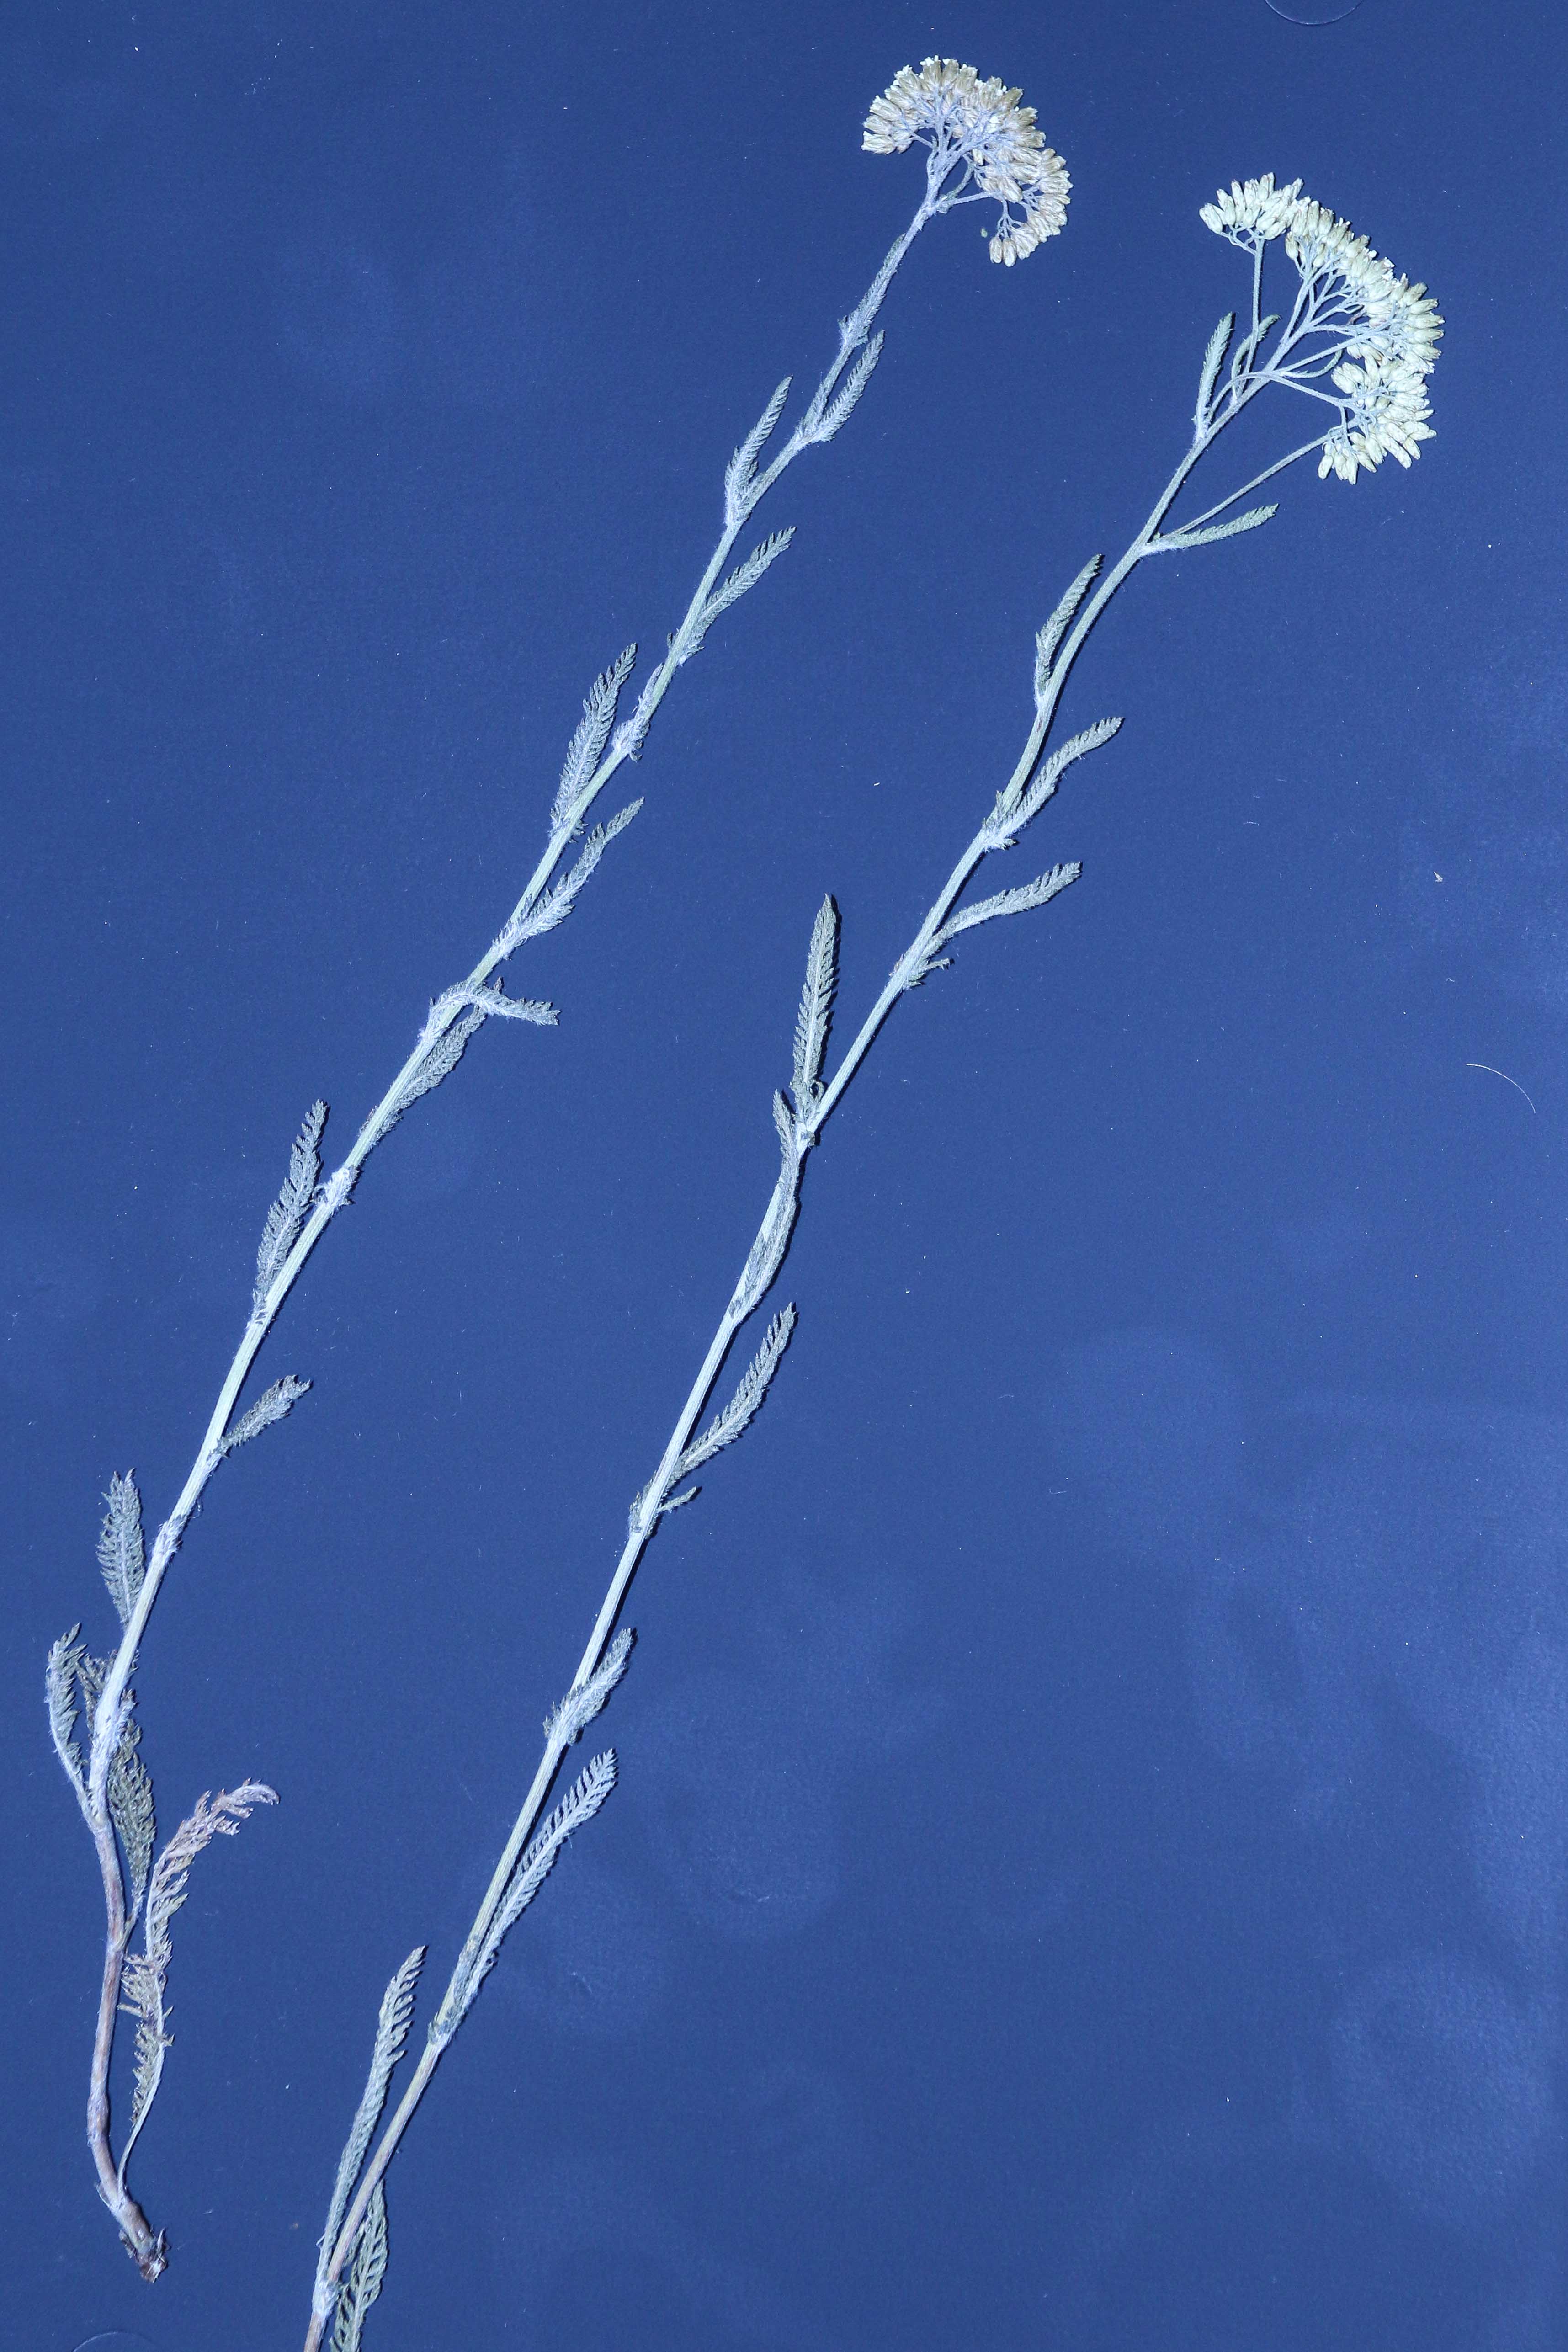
{"x": 1213, "y": 360}
{"x": 146, "y": 1973}
{"x": 1172, "y": 541}
{"x": 746, "y": 1403}
{"x": 289, "y": 1211}
{"x": 129, "y": 1793}
{"x": 438, "y": 1064}
{"x": 837, "y": 411}
{"x": 740, "y": 472}
{"x": 767, "y": 1253}
{"x": 270, "y": 1406}
{"x": 580, "y": 1804}
{"x": 60, "y": 1678}
{"x": 392, "y": 2034}
{"x": 588, "y": 743}
{"x": 120, "y": 1551}
{"x": 577, "y": 1710}
{"x": 1008, "y": 821}
{"x": 556, "y": 903}
{"x": 366, "y": 2272}
{"x": 744, "y": 575}
{"x": 640, "y": 1501}
{"x": 633, "y": 733}
{"x": 1060, "y": 621}
{"x": 813, "y": 1019}
{"x": 1010, "y": 902}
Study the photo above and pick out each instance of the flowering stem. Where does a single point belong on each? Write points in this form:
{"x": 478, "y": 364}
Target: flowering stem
{"x": 109, "y": 1714}
{"x": 809, "y": 1123}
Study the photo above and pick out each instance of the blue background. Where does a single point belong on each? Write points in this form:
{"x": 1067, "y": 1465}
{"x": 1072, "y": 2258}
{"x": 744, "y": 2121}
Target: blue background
{"x": 1091, "y": 1862}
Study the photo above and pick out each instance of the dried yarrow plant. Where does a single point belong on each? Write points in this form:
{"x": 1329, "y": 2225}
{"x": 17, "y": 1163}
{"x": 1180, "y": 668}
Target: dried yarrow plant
{"x": 1352, "y": 324}
{"x": 980, "y": 144}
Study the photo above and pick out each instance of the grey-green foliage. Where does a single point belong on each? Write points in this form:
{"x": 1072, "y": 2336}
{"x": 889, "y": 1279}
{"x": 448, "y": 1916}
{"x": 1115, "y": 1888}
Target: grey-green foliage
{"x": 1213, "y": 359}
{"x": 741, "y": 487}
{"x": 838, "y": 410}
{"x": 577, "y": 1710}
{"x": 558, "y": 901}
{"x": 444, "y": 1041}
{"x": 1010, "y": 902}
{"x": 746, "y": 1403}
{"x": 579, "y": 1805}
{"x": 271, "y": 1406}
{"x": 1056, "y": 628}
{"x": 366, "y": 2272}
{"x": 1172, "y": 541}
{"x": 131, "y": 1809}
{"x": 767, "y": 1253}
{"x": 292, "y": 1206}
{"x": 1011, "y": 814}
{"x": 729, "y": 591}
{"x": 587, "y": 746}
{"x": 119, "y": 1547}
{"x": 144, "y": 1984}
{"x": 815, "y": 1016}
{"x": 392, "y": 2035}
{"x": 61, "y": 1675}
{"x": 128, "y": 1788}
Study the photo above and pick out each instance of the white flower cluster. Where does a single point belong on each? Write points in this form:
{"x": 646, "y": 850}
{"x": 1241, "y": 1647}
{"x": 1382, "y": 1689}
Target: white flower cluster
{"x": 946, "y": 108}
{"x": 1251, "y": 211}
{"x": 1390, "y": 329}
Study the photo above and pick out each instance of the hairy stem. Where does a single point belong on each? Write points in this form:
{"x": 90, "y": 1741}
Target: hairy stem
{"x": 808, "y": 1128}
{"x": 814, "y": 427}
{"x": 145, "y": 2247}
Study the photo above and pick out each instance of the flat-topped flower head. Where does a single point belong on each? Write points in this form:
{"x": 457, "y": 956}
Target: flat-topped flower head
{"x": 1250, "y": 212}
{"x": 1385, "y": 416}
{"x": 980, "y": 129}
{"x": 1373, "y": 335}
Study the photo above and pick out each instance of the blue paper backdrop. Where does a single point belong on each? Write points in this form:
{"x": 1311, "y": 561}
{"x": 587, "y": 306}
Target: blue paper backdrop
{"x": 1091, "y": 1857}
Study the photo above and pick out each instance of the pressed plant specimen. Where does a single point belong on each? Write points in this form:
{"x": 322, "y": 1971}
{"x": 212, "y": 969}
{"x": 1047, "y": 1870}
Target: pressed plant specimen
{"x": 980, "y": 146}
{"x": 1357, "y": 340}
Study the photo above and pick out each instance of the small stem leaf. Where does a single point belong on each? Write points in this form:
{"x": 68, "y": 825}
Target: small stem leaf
{"x": 587, "y": 745}
{"x": 837, "y": 414}
{"x": 815, "y": 1016}
{"x": 439, "y": 1061}
{"x": 292, "y": 1206}
{"x": 633, "y": 733}
{"x": 392, "y": 2034}
{"x": 1007, "y": 821}
{"x": 1060, "y": 621}
{"x": 129, "y": 1793}
{"x": 147, "y": 1972}
{"x": 366, "y": 2272}
{"x": 740, "y": 472}
{"x": 577, "y": 1710}
{"x": 579, "y": 1805}
{"x": 270, "y": 1406}
{"x": 490, "y": 997}
{"x": 119, "y": 1547}
{"x": 767, "y": 1253}
{"x": 61, "y": 1675}
{"x": 746, "y": 1403}
{"x": 558, "y": 901}
{"x": 744, "y": 575}
{"x": 1213, "y": 360}
{"x": 1172, "y": 542}
{"x": 1010, "y": 902}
